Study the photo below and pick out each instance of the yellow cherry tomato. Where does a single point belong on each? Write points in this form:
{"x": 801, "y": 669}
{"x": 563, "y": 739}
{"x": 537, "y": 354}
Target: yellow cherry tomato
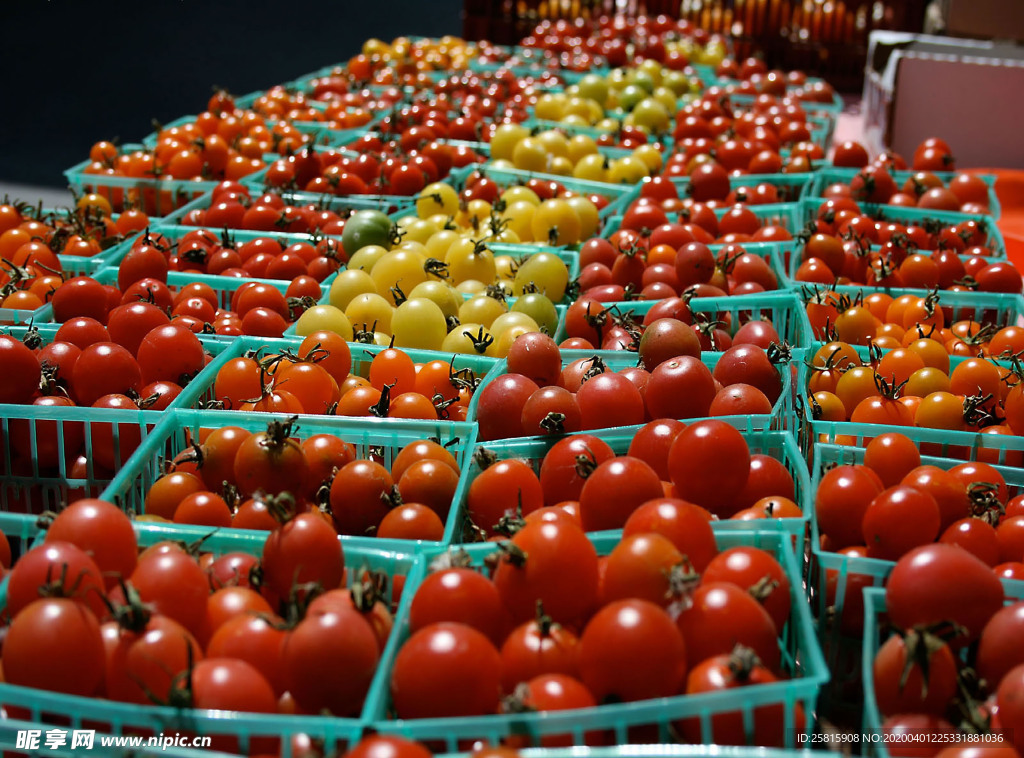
{"x": 470, "y": 261}
{"x": 518, "y": 193}
{"x": 419, "y": 323}
{"x": 550, "y": 106}
{"x": 555, "y": 222}
{"x": 504, "y": 266}
{"x": 545, "y": 272}
{"x": 366, "y": 258}
{"x": 325, "y": 318}
{"x": 503, "y": 342}
{"x": 581, "y": 145}
{"x": 347, "y": 285}
{"x": 437, "y": 246}
{"x": 512, "y": 319}
{"x": 530, "y": 155}
{"x": 437, "y": 198}
{"x": 442, "y": 293}
{"x": 560, "y": 166}
{"x": 650, "y": 156}
{"x": 419, "y": 231}
{"x": 481, "y": 309}
{"x": 370, "y": 312}
{"x": 627, "y": 170}
{"x": 592, "y": 167}
{"x": 538, "y": 307}
{"x": 519, "y": 216}
{"x": 505, "y": 139}
{"x": 593, "y": 87}
{"x": 468, "y": 339}
{"x": 471, "y": 287}
{"x": 554, "y": 142}
{"x": 399, "y": 269}
{"x": 587, "y": 213}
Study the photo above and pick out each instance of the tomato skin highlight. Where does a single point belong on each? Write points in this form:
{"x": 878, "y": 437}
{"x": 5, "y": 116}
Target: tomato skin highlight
{"x": 941, "y": 582}
{"x": 709, "y": 463}
{"x": 337, "y": 642}
{"x": 455, "y": 657}
{"x": 631, "y": 650}
{"x": 556, "y": 564}
{"x": 55, "y": 644}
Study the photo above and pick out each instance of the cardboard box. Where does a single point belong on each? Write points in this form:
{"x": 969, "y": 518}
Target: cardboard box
{"x": 965, "y": 91}
{"x": 998, "y": 19}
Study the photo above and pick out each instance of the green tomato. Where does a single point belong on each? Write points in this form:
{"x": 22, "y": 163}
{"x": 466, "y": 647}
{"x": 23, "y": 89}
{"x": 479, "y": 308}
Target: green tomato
{"x": 676, "y": 81}
{"x": 652, "y": 114}
{"x": 630, "y": 96}
{"x": 367, "y": 227}
{"x": 595, "y": 87}
{"x": 644, "y": 80}
{"x": 540, "y": 309}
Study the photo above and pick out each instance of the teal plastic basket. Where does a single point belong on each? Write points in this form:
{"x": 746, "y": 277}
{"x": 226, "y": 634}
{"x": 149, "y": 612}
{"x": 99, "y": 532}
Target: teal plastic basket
{"x": 781, "y": 308}
{"x": 781, "y": 417}
{"x": 348, "y": 145}
{"x": 801, "y": 655}
{"x": 841, "y": 651}
{"x": 343, "y": 205}
{"x": 150, "y": 140}
{"x": 327, "y": 136}
{"x": 996, "y": 308}
{"x": 617, "y": 194}
{"x": 199, "y": 392}
{"x": 223, "y": 286}
{"x": 808, "y": 212}
{"x": 964, "y": 445}
{"x": 337, "y": 203}
{"x": 520, "y": 253}
{"x": 385, "y": 437}
{"x": 777, "y": 444}
{"x": 832, "y": 175}
{"x": 791, "y": 187}
{"x": 340, "y": 205}
{"x": 235, "y": 732}
{"x": 572, "y": 130}
{"x": 875, "y": 633}
{"x": 821, "y": 118}
{"x": 833, "y": 108}
{"x": 157, "y": 197}
{"x": 533, "y": 67}
{"x": 21, "y": 531}
{"x": 66, "y": 214}
{"x": 786, "y": 215}
{"x": 174, "y": 232}
{"x": 312, "y": 128}
{"x": 26, "y": 487}
{"x": 791, "y": 255}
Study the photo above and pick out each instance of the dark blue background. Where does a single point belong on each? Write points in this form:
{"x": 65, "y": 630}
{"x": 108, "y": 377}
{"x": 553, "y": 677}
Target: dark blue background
{"x": 76, "y": 71}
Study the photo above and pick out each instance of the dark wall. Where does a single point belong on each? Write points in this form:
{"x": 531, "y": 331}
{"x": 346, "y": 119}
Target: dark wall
{"x": 88, "y": 71}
